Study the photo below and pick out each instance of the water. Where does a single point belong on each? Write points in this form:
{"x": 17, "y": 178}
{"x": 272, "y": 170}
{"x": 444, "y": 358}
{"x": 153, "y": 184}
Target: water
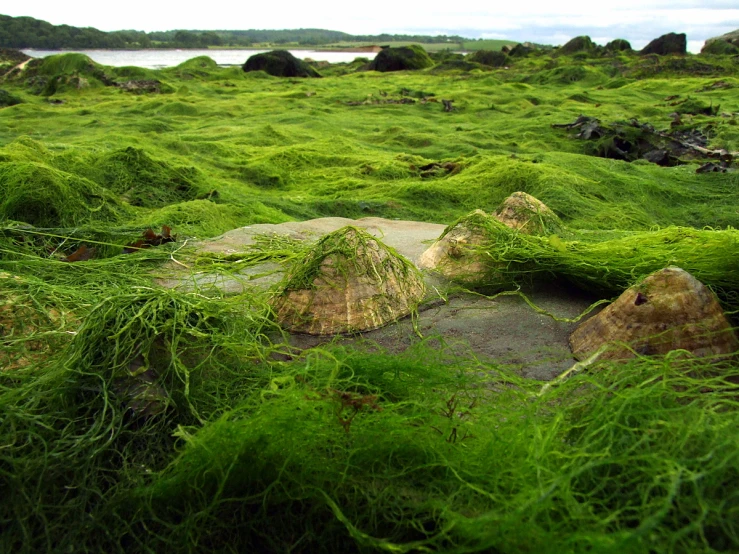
{"x": 157, "y": 59}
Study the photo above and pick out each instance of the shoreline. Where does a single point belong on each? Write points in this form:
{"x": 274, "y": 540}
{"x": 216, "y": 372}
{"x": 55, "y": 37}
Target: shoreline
{"x": 260, "y": 48}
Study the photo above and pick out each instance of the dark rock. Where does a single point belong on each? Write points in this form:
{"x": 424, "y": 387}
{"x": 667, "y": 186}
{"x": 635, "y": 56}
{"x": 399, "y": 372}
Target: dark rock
{"x": 279, "y": 63}
{"x": 7, "y": 99}
{"x": 618, "y": 45}
{"x": 659, "y": 157}
{"x": 577, "y": 44}
{"x": 671, "y": 43}
{"x": 399, "y": 59}
{"x": 631, "y": 141}
{"x": 711, "y": 167}
{"x": 491, "y": 58}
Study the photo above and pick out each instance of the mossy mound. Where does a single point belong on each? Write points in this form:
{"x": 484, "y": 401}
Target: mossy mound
{"x": 7, "y": 99}
{"x": 45, "y": 197}
{"x": 403, "y": 58}
{"x": 729, "y": 39}
{"x": 200, "y": 68}
{"x": 63, "y": 72}
{"x": 458, "y": 65}
{"x": 25, "y": 149}
{"x": 720, "y": 47}
{"x": 446, "y": 56}
{"x": 671, "y": 43}
{"x": 205, "y": 218}
{"x": 142, "y": 180}
{"x": 349, "y": 282}
{"x": 577, "y": 44}
{"x": 521, "y": 50}
{"x": 279, "y": 63}
{"x": 492, "y": 58}
{"x": 62, "y": 64}
{"x": 570, "y": 73}
{"x": 199, "y": 62}
{"x": 618, "y": 45}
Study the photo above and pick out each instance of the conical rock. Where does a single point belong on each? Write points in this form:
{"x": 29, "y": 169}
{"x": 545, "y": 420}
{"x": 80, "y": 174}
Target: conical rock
{"x": 669, "y": 310}
{"x": 349, "y": 282}
{"x": 527, "y": 214}
{"x": 458, "y": 253}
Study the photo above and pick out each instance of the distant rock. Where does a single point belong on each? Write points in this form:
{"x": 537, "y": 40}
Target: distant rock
{"x": 725, "y": 44}
{"x": 618, "y": 45}
{"x": 522, "y": 50}
{"x": 577, "y": 44}
{"x": 279, "y": 63}
{"x": 671, "y": 43}
{"x": 490, "y": 58}
{"x": 400, "y": 59}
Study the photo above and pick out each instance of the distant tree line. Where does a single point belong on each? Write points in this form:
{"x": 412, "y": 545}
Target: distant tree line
{"x": 27, "y": 32}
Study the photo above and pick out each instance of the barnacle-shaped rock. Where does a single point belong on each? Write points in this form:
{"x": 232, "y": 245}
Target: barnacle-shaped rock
{"x": 348, "y": 282}
{"x": 669, "y": 310}
{"x": 458, "y": 253}
{"x": 525, "y": 213}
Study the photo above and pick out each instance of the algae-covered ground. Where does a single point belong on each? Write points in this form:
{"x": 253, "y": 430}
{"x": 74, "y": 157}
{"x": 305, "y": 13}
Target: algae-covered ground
{"x": 135, "y": 418}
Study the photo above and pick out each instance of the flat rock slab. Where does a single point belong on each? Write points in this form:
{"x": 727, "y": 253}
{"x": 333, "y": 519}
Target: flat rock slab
{"x": 504, "y": 329}
{"x": 410, "y": 238}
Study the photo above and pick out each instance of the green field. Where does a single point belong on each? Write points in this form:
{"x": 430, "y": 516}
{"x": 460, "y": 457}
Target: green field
{"x": 242, "y": 444}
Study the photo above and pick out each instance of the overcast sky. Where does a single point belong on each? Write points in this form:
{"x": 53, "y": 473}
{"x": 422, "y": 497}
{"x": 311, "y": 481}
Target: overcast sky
{"x": 547, "y": 22}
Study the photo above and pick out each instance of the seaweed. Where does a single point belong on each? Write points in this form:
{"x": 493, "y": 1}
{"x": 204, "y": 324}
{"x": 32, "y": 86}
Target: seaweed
{"x": 135, "y": 418}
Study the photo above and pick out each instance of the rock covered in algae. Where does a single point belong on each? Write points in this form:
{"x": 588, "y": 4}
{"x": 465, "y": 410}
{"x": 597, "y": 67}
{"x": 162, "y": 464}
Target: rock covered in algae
{"x": 669, "y": 310}
{"x": 458, "y": 254}
{"x": 523, "y": 212}
{"x": 348, "y": 282}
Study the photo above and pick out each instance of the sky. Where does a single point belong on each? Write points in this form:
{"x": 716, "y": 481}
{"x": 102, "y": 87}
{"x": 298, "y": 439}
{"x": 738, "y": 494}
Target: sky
{"x": 541, "y": 21}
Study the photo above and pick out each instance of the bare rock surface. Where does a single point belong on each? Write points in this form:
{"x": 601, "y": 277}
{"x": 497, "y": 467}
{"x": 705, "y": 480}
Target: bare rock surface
{"x": 504, "y": 329}
{"x": 669, "y": 310}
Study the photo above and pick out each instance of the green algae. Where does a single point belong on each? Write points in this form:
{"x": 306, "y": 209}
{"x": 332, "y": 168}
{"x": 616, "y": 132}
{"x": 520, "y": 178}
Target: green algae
{"x": 134, "y": 418}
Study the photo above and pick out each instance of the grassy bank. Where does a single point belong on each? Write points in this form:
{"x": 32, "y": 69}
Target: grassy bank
{"x": 139, "y": 419}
